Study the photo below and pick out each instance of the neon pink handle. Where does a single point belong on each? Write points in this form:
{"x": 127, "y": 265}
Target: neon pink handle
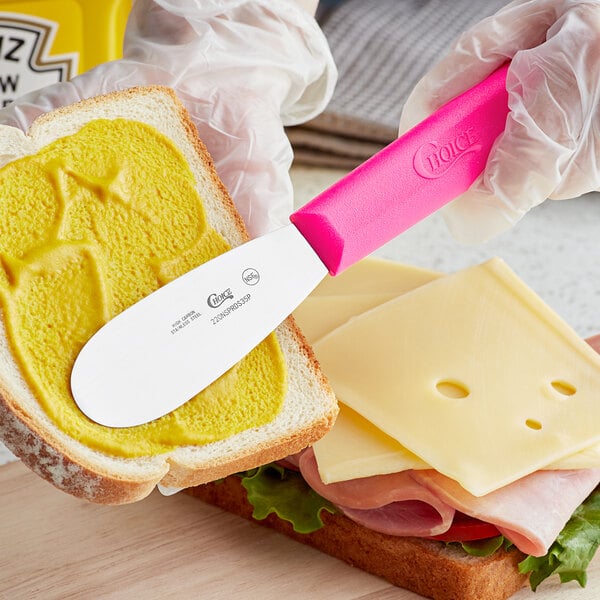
{"x": 418, "y": 173}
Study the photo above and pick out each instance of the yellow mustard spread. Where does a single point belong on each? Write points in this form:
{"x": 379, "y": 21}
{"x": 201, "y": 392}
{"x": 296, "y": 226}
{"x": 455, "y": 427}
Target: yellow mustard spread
{"x": 89, "y": 225}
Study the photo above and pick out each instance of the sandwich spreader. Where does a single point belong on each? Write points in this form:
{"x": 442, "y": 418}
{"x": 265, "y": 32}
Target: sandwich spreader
{"x": 163, "y": 350}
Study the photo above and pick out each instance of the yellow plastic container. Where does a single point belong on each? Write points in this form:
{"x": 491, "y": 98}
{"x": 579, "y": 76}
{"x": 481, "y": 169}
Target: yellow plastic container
{"x": 47, "y": 41}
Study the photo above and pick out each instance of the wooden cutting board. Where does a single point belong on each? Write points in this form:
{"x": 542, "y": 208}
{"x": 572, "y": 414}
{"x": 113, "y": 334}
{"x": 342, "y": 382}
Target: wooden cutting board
{"x": 54, "y": 546}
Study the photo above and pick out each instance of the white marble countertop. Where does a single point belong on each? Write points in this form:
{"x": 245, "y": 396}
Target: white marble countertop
{"x": 555, "y": 249}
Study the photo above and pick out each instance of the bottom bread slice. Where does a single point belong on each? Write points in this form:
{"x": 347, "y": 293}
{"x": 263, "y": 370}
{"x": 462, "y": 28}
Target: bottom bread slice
{"x": 429, "y": 568}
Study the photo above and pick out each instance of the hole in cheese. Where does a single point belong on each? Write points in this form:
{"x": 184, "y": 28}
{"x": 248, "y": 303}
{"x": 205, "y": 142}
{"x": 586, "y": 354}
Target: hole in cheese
{"x": 533, "y": 424}
{"x": 452, "y": 389}
{"x": 563, "y": 388}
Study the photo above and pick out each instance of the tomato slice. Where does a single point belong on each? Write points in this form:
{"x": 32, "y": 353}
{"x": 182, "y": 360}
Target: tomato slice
{"x": 466, "y": 529}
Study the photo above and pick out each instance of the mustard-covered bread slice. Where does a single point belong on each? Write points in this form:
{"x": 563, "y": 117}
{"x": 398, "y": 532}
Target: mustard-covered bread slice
{"x": 101, "y": 203}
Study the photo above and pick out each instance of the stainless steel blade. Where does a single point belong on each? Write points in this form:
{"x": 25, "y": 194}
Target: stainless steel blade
{"x": 163, "y": 350}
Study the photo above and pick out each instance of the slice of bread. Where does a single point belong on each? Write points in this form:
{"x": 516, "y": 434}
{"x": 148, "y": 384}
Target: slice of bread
{"x": 428, "y": 567}
{"x": 309, "y": 407}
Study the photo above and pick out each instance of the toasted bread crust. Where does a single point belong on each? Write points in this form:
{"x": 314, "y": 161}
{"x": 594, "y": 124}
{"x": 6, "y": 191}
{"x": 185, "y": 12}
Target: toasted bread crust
{"x": 43, "y": 453}
{"x": 427, "y": 567}
{"x": 92, "y": 475}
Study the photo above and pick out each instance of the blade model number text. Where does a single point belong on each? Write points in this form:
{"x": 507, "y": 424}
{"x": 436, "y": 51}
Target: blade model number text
{"x": 232, "y": 307}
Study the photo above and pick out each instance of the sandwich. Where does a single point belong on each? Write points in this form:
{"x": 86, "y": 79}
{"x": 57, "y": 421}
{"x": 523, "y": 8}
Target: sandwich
{"x": 101, "y": 203}
{"x": 465, "y": 460}
{"x": 106, "y": 200}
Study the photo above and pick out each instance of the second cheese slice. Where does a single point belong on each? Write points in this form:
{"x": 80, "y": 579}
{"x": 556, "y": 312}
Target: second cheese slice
{"x": 486, "y": 383}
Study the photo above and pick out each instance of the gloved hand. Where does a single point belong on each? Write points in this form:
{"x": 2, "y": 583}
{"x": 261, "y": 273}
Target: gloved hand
{"x": 551, "y": 144}
{"x": 243, "y": 68}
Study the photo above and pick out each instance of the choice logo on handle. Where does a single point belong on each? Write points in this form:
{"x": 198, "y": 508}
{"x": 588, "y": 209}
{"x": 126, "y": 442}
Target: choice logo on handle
{"x": 433, "y": 159}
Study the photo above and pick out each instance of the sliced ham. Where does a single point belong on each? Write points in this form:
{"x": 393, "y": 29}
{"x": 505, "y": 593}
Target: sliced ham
{"x": 395, "y": 504}
{"x": 530, "y": 512}
{"x": 404, "y": 517}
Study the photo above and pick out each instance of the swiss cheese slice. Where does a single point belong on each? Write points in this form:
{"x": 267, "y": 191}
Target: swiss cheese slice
{"x": 375, "y": 276}
{"x": 365, "y": 285}
{"x": 588, "y": 458}
{"x": 319, "y": 315}
{"x": 355, "y": 448}
{"x": 478, "y": 360}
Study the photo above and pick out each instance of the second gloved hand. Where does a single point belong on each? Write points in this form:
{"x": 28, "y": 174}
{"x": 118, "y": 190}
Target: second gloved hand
{"x": 551, "y": 144}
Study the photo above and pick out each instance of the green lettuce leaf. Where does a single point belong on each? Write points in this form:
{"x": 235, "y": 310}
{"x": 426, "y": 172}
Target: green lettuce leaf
{"x": 273, "y": 489}
{"x": 574, "y": 548}
{"x": 483, "y": 547}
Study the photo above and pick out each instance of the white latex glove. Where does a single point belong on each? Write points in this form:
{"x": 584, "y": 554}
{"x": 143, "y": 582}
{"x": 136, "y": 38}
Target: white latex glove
{"x": 244, "y": 69}
{"x": 551, "y": 144}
